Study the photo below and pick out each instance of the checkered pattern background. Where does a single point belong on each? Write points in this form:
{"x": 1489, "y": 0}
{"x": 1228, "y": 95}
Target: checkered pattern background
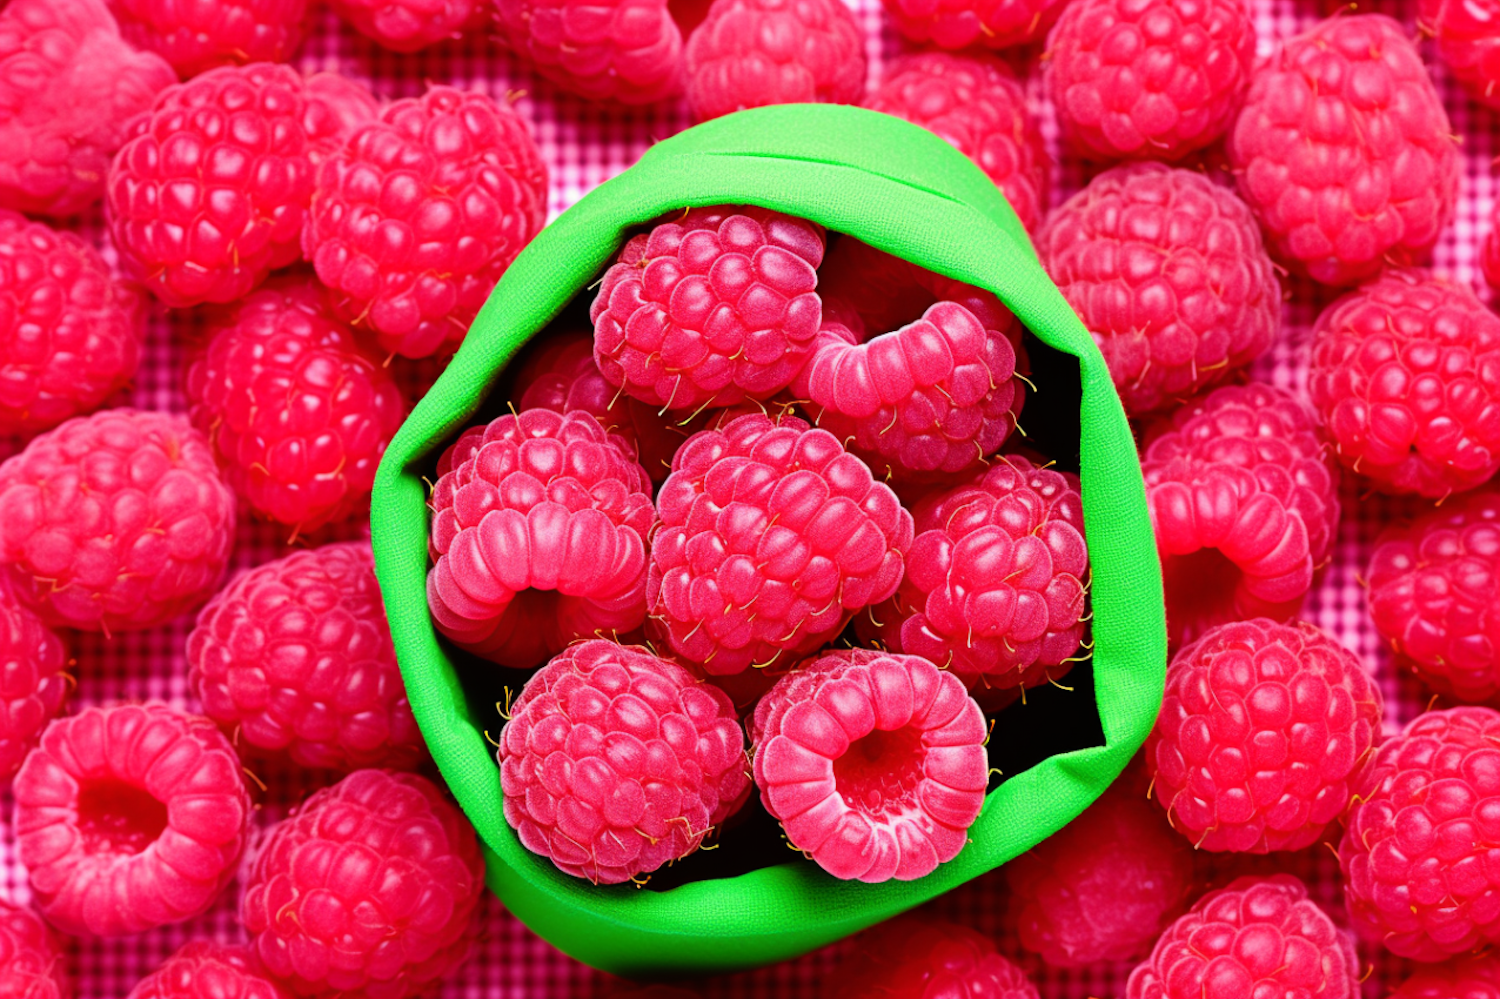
{"x": 584, "y": 146}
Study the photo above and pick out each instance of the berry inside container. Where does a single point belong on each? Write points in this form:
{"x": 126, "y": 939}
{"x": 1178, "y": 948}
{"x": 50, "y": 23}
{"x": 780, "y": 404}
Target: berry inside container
{"x": 845, "y": 177}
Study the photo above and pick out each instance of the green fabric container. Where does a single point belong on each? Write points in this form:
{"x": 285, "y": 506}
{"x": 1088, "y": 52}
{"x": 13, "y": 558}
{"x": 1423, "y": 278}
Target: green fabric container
{"x": 905, "y": 191}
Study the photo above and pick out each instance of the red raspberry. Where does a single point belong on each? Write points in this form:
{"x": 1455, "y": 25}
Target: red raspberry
{"x": 930, "y": 399}
{"x": 771, "y": 536}
{"x": 203, "y": 34}
{"x": 298, "y": 411}
{"x": 70, "y": 334}
{"x": 874, "y": 764}
{"x": 408, "y": 25}
{"x": 210, "y": 194}
{"x": 115, "y": 522}
{"x": 562, "y": 376}
{"x": 616, "y": 762}
{"x": 1476, "y": 978}
{"x": 295, "y": 657}
{"x": 539, "y": 531}
{"x": 958, "y": 24}
{"x": 421, "y": 211}
{"x": 710, "y": 308}
{"x": 750, "y": 53}
{"x": 1104, "y": 887}
{"x": 204, "y": 970}
{"x": 1344, "y": 150}
{"x": 33, "y": 683}
{"x": 1244, "y": 499}
{"x": 69, "y": 85}
{"x": 371, "y": 888}
{"x": 1167, "y": 270}
{"x": 626, "y": 51}
{"x": 1141, "y": 80}
{"x": 1253, "y": 938}
{"x": 996, "y": 579}
{"x": 129, "y": 818}
{"x": 1406, "y": 375}
{"x": 1419, "y": 877}
{"x": 1434, "y": 589}
{"x": 1467, "y": 42}
{"x": 974, "y": 102}
{"x": 1263, "y": 733}
{"x": 31, "y": 960}
{"x": 918, "y": 957}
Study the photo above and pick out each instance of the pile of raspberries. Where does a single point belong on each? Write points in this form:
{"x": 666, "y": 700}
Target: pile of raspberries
{"x": 761, "y": 531}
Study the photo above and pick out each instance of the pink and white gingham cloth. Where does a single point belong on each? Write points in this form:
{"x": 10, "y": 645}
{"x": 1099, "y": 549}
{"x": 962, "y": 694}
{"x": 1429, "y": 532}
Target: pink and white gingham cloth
{"x": 583, "y": 146}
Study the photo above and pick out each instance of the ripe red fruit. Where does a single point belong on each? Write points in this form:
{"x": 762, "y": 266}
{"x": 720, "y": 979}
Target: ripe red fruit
{"x": 201, "y": 969}
{"x": 1467, "y": 43}
{"x": 408, "y": 25}
{"x": 1475, "y": 978}
{"x": 918, "y": 957}
{"x": 626, "y": 51}
{"x": 959, "y": 24}
{"x": 200, "y": 35}
{"x": 32, "y": 964}
{"x": 33, "y": 684}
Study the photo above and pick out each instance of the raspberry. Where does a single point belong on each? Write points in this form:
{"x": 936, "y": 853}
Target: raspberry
{"x": 1467, "y": 42}
{"x": 976, "y": 104}
{"x": 874, "y": 764}
{"x": 371, "y": 887}
{"x": 1104, "y": 887}
{"x": 115, "y": 522}
{"x": 295, "y": 657}
{"x": 1253, "y": 938}
{"x": 1434, "y": 589}
{"x": 1406, "y": 375}
{"x": 1476, "y": 978}
{"x": 203, "y": 34}
{"x": 562, "y": 376}
{"x": 298, "y": 411}
{"x": 1133, "y": 79}
{"x": 69, "y": 86}
{"x": 70, "y": 334}
{"x": 421, "y": 211}
{"x": 751, "y": 53}
{"x": 539, "y": 531}
{"x": 626, "y": 51}
{"x": 1344, "y": 151}
{"x": 918, "y": 957}
{"x": 31, "y": 961}
{"x": 958, "y": 24}
{"x": 771, "y": 536}
{"x": 1167, "y": 270}
{"x": 1263, "y": 733}
{"x": 204, "y": 970}
{"x": 407, "y": 25}
{"x": 932, "y": 398}
{"x": 615, "y": 762}
{"x": 1418, "y": 873}
{"x": 129, "y": 818}
{"x": 210, "y": 194}
{"x": 712, "y": 307}
{"x": 996, "y": 579}
{"x": 33, "y": 683}
{"x": 1244, "y": 499}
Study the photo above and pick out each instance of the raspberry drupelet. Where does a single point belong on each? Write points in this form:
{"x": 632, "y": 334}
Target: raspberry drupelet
{"x": 1474, "y": 978}
{"x": 996, "y": 579}
{"x": 539, "y": 530}
{"x": 32, "y": 963}
{"x": 628, "y": 52}
{"x": 918, "y": 957}
{"x": 409, "y": 25}
{"x": 115, "y": 522}
{"x": 129, "y": 818}
{"x": 1466, "y": 42}
{"x": 615, "y": 762}
{"x": 1406, "y": 376}
{"x": 298, "y": 410}
{"x": 873, "y": 763}
{"x": 709, "y": 308}
{"x": 69, "y": 86}
{"x": 1418, "y": 873}
{"x": 1434, "y": 592}
{"x": 959, "y": 24}
{"x": 771, "y": 536}
{"x": 200, "y": 35}
{"x": 369, "y": 888}
{"x": 33, "y": 683}
{"x": 1244, "y": 498}
{"x": 201, "y": 969}
{"x": 1264, "y": 734}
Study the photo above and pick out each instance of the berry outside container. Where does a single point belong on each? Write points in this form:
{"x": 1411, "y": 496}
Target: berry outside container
{"x": 902, "y": 190}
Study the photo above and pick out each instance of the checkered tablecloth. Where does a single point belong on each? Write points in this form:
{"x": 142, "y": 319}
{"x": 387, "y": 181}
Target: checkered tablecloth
{"x": 584, "y": 146}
